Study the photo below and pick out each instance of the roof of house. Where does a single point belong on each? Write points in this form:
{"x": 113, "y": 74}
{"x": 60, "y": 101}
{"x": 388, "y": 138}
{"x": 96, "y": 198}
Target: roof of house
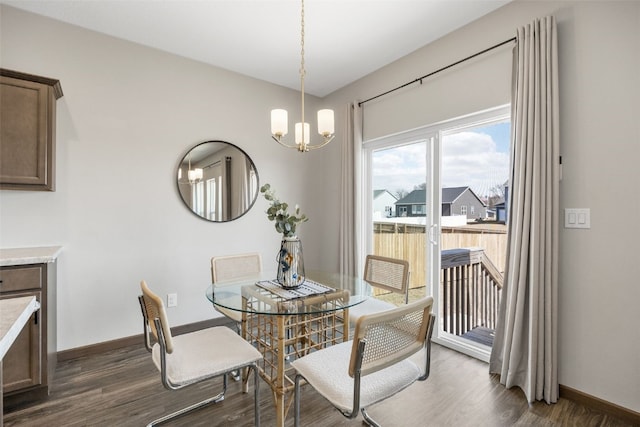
{"x": 449, "y": 195}
{"x": 377, "y": 193}
{"x": 416, "y": 197}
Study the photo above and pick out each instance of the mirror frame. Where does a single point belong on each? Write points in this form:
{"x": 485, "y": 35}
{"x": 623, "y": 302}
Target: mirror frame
{"x": 184, "y": 159}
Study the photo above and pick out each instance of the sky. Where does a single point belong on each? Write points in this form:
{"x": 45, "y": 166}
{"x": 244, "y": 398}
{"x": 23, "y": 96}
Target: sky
{"x": 477, "y": 157}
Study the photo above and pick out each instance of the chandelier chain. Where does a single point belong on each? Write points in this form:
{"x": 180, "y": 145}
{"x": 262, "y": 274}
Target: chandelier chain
{"x": 302, "y": 71}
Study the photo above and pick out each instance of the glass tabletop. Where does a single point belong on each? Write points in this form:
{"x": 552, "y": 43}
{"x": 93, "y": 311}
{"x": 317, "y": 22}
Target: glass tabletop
{"x": 320, "y": 293}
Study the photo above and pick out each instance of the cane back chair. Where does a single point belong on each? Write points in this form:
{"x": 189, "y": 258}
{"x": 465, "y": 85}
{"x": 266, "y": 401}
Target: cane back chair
{"x": 390, "y": 350}
{"x": 390, "y": 274}
{"x": 196, "y": 356}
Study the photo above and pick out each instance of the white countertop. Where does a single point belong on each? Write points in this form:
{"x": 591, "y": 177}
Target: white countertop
{"x": 22, "y": 256}
{"x": 14, "y": 314}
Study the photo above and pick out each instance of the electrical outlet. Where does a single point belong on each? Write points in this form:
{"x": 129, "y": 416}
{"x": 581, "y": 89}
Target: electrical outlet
{"x": 172, "y": 300}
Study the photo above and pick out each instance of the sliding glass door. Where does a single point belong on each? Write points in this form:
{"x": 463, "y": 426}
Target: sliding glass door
{"x": 437, "y": 198}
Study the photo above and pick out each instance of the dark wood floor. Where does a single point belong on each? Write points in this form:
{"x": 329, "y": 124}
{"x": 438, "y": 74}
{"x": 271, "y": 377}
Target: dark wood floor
{"x": 122, "y": 388}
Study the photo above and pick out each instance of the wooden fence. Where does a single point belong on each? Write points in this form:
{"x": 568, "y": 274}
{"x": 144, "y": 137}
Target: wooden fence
{"x": 471, "y": 271}
{"x": 408, "y": 242}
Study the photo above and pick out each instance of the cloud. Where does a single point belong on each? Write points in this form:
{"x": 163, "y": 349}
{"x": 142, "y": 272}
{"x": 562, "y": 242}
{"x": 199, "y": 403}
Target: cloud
{"x": 399, "y": 168}
{"x": 468, "y": 159}
{"x": 472, "y": 159}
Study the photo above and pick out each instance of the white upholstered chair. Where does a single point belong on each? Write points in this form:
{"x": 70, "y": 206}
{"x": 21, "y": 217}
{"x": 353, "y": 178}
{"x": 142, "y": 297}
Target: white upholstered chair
{"x": 229, "y": 268}
{"x": 196, "y": 356}
{"x": 390, "y": 350}
{"x": 390, "y": 274}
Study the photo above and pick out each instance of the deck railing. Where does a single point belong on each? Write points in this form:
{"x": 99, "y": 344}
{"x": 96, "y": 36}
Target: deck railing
{"x": 471, "y": 278}
{"x": 470, "y": 289}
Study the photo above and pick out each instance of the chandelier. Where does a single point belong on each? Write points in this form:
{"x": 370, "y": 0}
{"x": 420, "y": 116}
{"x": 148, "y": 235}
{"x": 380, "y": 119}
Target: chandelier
{"x": 279, "y": 120}
{"x": 194, "y": 175}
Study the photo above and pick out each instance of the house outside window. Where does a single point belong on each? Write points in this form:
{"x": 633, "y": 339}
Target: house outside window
{"x": 473, "y": 210}
{"x": 463, "y": 210}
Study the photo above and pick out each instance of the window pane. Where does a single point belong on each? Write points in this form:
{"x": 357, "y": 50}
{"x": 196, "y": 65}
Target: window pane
{"x": 474, "y": 174}
{"x": 398, "y": 177}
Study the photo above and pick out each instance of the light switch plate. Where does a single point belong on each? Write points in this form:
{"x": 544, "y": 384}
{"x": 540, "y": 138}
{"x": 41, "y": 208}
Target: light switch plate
{"x": 172, "y": 300}
{"x": 577, "y": 218}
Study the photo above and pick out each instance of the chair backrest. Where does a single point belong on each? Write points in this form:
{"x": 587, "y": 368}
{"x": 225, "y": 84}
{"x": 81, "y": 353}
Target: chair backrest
{"x": 387, "y": 273}
{"x": 153, "y": 308}
{"x": 232, "y": 267}
{"x": 386, "y": 338}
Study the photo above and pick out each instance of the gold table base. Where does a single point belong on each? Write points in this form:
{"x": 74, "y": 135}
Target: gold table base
{"x": 299, "y": 327}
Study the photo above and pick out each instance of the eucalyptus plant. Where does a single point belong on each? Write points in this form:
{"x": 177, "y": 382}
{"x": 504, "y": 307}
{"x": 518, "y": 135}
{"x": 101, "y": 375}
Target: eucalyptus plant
{"x": 286, "y": 223}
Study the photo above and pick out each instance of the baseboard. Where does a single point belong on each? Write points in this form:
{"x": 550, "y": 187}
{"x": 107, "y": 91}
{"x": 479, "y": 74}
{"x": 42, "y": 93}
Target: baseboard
{"x": 93, "y": 349}
{"x": 609, "y": 408}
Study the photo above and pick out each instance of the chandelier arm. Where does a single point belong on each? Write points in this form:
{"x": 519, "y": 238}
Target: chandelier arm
{"x": 326, "y": 141}
{"x": 279, "y": 141}
{"x": 304, "y": 147}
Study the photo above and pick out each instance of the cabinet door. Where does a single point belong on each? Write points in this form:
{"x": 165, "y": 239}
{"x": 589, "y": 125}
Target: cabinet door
{"x": 21, "y": 364}
{"x": 27, "y": 156}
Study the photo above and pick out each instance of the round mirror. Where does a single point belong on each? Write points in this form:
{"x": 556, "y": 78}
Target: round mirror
{"x": 217, "y": 181}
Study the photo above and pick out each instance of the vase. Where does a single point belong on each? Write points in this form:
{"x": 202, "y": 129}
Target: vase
{"x": 290, "y": 263}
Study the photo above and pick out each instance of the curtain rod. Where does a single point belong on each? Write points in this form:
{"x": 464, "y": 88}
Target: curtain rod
{"x": 419, "y": 79}
{"x": 216, "y": 163}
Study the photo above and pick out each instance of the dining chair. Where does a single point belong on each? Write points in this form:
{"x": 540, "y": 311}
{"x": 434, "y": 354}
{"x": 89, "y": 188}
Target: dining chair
{"x": 390, "y": 350}
{"x": 229, "y": 268}
{"x": 196, "y": 356}
{"x": 389, "y": 274}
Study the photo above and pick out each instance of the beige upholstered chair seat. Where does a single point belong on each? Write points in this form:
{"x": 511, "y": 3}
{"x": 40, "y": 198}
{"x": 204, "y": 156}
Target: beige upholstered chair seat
{"x": 205, "y": 353}
{"x": 326, "y": 372}
{"x": 368, "y": 306}
{"x": 236, "y": 316}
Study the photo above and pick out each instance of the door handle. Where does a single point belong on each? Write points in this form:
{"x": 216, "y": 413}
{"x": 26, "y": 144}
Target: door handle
{"x": 434, "y": 234}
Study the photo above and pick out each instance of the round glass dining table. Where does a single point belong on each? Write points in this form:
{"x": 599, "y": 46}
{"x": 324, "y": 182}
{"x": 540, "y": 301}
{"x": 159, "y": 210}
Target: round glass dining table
{"x": 285, "y": 324}
{"x": 321, "y": 292}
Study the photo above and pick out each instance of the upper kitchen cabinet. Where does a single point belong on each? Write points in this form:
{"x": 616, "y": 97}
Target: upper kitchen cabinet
{"x": 27, "y": 131}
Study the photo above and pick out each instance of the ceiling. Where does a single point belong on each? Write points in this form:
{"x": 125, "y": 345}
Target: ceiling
{"x": 344, "y": 39}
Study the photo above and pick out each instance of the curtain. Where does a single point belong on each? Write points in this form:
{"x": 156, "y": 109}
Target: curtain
{"x": 350, "y": 209}
{"x": 524, "y": 352}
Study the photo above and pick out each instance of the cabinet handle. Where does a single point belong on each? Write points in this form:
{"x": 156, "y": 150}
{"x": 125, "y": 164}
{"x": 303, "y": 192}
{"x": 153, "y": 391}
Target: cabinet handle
{"x": 35, "y": 314}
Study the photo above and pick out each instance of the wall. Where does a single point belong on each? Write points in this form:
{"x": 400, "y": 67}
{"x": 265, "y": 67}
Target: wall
{"x": 599, "y": 59}
{"x": 127, "y": 117}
